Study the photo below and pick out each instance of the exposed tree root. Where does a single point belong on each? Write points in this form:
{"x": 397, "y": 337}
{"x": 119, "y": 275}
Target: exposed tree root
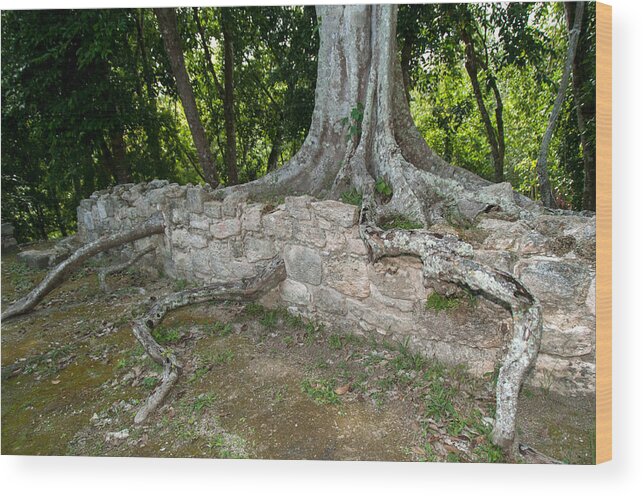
{"x": 62, "y": 271}
{"x": 103, "y": 272}
{"x": 447, "y": 259}
{"x": 243, "y": 290}
{"x": 530, "y": 455}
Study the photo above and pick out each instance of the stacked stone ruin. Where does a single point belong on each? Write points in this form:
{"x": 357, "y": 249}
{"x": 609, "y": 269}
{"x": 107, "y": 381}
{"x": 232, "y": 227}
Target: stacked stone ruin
{"x": 330, "y": 278}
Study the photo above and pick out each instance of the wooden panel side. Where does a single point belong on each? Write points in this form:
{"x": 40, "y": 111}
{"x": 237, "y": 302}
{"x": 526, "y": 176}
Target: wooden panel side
{"x": 603, "y": 232}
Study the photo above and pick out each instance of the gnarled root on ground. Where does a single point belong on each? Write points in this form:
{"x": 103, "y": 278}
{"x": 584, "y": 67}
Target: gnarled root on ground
{"x": 103, "y": 272}
{"x": 445, "y": 258}
{"x": 64, "y": 269}
{"x": 243, "y": 290}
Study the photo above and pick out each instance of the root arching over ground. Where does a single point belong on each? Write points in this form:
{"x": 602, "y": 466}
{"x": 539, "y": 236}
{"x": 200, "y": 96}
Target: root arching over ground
{"x": 362, "y": 133}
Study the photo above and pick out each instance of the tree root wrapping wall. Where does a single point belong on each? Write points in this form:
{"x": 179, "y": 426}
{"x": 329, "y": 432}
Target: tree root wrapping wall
{"x": 330, "y": 276}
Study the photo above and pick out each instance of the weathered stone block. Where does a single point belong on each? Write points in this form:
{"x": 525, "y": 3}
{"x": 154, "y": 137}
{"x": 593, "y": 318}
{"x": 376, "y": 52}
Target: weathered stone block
{"x": 194, "y": 199}
{"x": 501, "y": 260}
{"x": 278, "y": 224}
{"x": 329, "y": 300}
{"x": 590, "y": 301}
{"x": 35, "y": 259}
{"x": 398, "y": 277}
{"x": 199, "y": 222}
{"x": 298, "y": 206}
{"x": 348, "y": 276}
{"x": 303, "y": 264}
{"x": 570, "y": 342}
{"x": 226, "y": 228}
{"x": 309, "y": 234}
{"x": 196, "y": 240}
{"x": 294, "y": 292}
{"x": 336, "y": 212}
{"x": 258, "y": 249}
{"x": 356, "y": 247}
{"x": 232, "y": 204}
{"x": 556, "y": 283}
{"x": 251, "y": 217}
{"x": 212, "y": 209}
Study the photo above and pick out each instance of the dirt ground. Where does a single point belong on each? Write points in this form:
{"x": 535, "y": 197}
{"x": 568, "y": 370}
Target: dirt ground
{"x": 256, "y": 383}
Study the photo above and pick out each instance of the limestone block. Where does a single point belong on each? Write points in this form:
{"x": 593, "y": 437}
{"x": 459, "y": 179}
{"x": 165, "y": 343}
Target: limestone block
{"x": 295, "y": 292}
{"x": 348, "y": 276}
{"x": 194, "y": 199}
{"x": 568, "y": 376}
{"x": 251, "y": 217}
{"x": 335, "y": 241}
{"x": 226, "y": 228}
{"x": 337, "y": 213}
{"x": 278, "y": 224}
{"x": 180, "y": 238}
{"x": 398, "y": 277}
{"x": 553, "y": 281}
{"x": 307, "y": 233}
{"x": 35, "y": 259}
{"x": 298, "y": 206}
{"x": 212, "y": 209}
{"x": 567, "y": 342}
{"x": 232, "y": 204}
{"x": 498, "y": 259}
{"x": 397, "y": 304}
{"x": 502, "y": 234}
{"x": 197, "y": 241}
{"x": 258, "y": 249}
{"x": 590, "y": 301}
{"x": 328, "y": 300}
{"x": 356, "y": 246}
{"x": 303, "y": 264}
{"x": 199, "y": 222}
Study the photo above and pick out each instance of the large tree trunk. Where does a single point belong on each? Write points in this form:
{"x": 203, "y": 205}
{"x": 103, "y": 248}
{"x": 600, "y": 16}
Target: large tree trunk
{"x": 361, "y": 132}
{"x": 169, "y": 31}
{"x": 546, "y": 193}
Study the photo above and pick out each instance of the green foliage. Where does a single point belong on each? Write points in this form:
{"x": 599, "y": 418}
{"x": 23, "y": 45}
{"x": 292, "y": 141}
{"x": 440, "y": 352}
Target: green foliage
{"x": 203, "y": 401}
{"x": 164, "y": 335}
{"x": 354, "y": 122}
{"x": 352, "y": 197}
{"x": 383, "y": 188}
{"x": 438, "y": 302}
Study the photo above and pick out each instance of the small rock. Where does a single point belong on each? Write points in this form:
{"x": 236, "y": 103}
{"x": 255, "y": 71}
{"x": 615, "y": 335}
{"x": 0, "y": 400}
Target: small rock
{"x": 117, "y": 436}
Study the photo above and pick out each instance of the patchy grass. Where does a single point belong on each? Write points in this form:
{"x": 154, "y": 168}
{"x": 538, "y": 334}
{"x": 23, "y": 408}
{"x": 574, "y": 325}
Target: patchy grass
{"x": 400, "y": 222}
{"x": 321, "y": 391}
{"x": 352, "y": 197}
{"x": 165, "y": 335}
{"x": 438, "y": 302}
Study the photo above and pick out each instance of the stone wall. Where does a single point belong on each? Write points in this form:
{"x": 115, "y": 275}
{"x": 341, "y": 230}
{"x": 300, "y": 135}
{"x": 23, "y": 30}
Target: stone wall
{"x": 331, "y": 279}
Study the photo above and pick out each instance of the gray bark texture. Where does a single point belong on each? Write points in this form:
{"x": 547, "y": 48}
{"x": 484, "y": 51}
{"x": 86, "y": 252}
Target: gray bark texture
{"x": 546, "y": 193}
{"x": 169, "y": 31}
{"x": 361, "y": 132}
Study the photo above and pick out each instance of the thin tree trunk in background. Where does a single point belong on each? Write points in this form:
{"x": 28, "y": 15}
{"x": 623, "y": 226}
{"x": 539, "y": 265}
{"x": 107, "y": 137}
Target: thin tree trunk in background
{"x": 546, "y": 193}
{"x": 589, "y": 159}
{"x": 275, "y": 151}
{"x": 121, "y": 166}
{"x": 494, "y": 138}
{"x": 169, "y": 30}
{"x": 228, "y": 102}
{"x": 151, "y": 128}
